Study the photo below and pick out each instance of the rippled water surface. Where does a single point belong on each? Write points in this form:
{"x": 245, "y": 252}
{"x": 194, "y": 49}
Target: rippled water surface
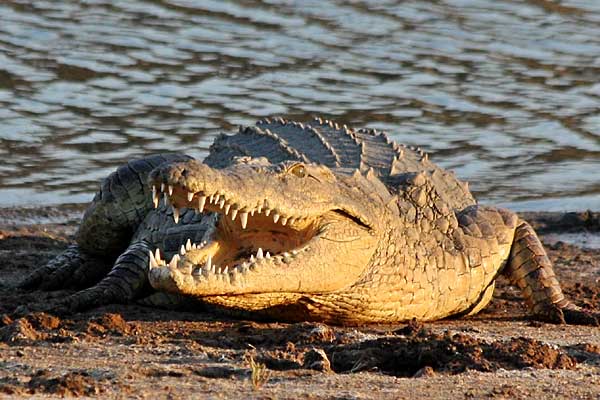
{"x": 507, "y": 93}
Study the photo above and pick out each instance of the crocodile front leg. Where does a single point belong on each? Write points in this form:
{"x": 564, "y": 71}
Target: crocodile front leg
{"x": 116, "y": 213}
{"x": 125, "y": 281}
{"x": 530, "y": 269}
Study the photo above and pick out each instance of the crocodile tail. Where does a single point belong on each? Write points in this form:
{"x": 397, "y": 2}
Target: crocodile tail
{"x": 531, "y": 270}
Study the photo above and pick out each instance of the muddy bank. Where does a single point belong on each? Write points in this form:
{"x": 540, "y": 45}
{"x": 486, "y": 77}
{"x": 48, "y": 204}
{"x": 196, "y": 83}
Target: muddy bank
{"x": 135, "y": 351}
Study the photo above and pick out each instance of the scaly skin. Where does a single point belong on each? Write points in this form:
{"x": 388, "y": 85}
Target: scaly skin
{"x": 315, "y": 222}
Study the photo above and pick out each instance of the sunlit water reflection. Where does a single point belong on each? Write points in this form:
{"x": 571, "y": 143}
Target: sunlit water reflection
{"x": 507, "y": 93}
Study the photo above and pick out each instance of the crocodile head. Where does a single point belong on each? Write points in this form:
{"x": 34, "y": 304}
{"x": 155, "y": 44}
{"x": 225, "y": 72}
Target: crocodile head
{"x": 287, "y": 228}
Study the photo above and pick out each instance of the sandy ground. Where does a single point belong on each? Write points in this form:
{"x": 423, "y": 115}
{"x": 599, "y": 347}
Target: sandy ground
{"x": 138, "y": 352}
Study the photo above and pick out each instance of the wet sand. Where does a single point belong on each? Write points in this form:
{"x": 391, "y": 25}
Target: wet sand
{"x": 140, "y": 352}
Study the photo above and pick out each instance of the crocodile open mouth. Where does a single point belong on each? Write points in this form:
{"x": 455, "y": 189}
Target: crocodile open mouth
{"x": 245, "y": 235}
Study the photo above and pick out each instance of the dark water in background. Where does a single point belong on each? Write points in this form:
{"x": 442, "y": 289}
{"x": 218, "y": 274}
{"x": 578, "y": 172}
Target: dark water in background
{"x": 507, "y": 93}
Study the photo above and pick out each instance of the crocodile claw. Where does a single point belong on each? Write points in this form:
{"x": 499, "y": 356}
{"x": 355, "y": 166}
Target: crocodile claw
{"x": 581, "y": 317}
{"x": 569, "y": 315}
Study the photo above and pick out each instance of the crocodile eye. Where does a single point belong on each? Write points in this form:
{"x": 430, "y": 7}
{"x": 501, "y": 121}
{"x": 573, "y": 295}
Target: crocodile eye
{"x": 299, "y": 170}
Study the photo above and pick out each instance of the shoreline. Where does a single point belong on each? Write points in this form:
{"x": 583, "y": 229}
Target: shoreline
{"x": 139, "y": 352}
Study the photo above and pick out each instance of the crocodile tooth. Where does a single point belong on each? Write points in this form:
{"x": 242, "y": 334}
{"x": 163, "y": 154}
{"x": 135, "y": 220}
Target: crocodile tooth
{"x": 162, "y": 187}
{"x": 170, "y": 187}
{"x": 251, "y": 258}
{"x": 166, "y": 199}
{"x": 259, "y": 209}
{"x": 259, "y": 254}
{"x": 213, "y": 269}
{"x": 267, "y": 255}
{"x": 234, "y": 214}
{"x": 182, "y": 250}
{"x": 153, "y": 263}
{"x": 210, "y": 199}
{"x": 222, "y": 202}
{"x": 176, "y": 214}
{"x": 275, "y": 217}
{"x": 157, "y": 254}
{"x": 154, "y": 197}
{"x": 252, "y": 213}
{"x": 174, "y": 261}
{"x": 284, "y": 221}
{"x": 208, "y": 263}
{"x": 188, "y": 245}
{"x": 201, "y": 202}
{"x": 190, "y": 196}
{"x": 225, "y": 270}
{"x": 267, "y": 212}
{"x": 244, "y": 219}
{"x": 291, "y": 220}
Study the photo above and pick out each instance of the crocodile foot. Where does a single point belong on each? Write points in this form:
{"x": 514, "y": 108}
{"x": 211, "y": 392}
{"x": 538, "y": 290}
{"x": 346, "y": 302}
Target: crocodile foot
{"x": 570, "y": 314}
{"x": 70, "y": 269}
{"x": 581, "y": 317}
{"x": 85, "y": 299}
{"x": 125, "y": 281}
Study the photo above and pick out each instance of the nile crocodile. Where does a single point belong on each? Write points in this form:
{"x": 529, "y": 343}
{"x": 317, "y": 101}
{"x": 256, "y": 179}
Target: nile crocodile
{"x": 296, "y": 221}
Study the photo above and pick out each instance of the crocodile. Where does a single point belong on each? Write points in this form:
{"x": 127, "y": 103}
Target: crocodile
{"x": 292, "y": 221}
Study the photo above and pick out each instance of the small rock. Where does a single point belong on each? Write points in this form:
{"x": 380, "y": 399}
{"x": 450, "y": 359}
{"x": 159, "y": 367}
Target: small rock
{"x": 40, "y": 320}
{"x": 107, "y": 323}
{"x": 413, "y": 328}
{"x": 19, "y": 331}
{"x": 322, "y": 332}
{"x": 424, "y": 372}
{"x": 317, "y": 360}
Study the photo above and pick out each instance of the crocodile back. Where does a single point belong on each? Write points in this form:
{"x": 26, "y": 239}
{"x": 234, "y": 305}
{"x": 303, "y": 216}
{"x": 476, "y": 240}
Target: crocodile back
{"x": 342, "y": 149}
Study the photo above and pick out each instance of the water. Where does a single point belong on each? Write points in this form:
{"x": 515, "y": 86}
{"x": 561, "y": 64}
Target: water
{"x": 506, "y": 93}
